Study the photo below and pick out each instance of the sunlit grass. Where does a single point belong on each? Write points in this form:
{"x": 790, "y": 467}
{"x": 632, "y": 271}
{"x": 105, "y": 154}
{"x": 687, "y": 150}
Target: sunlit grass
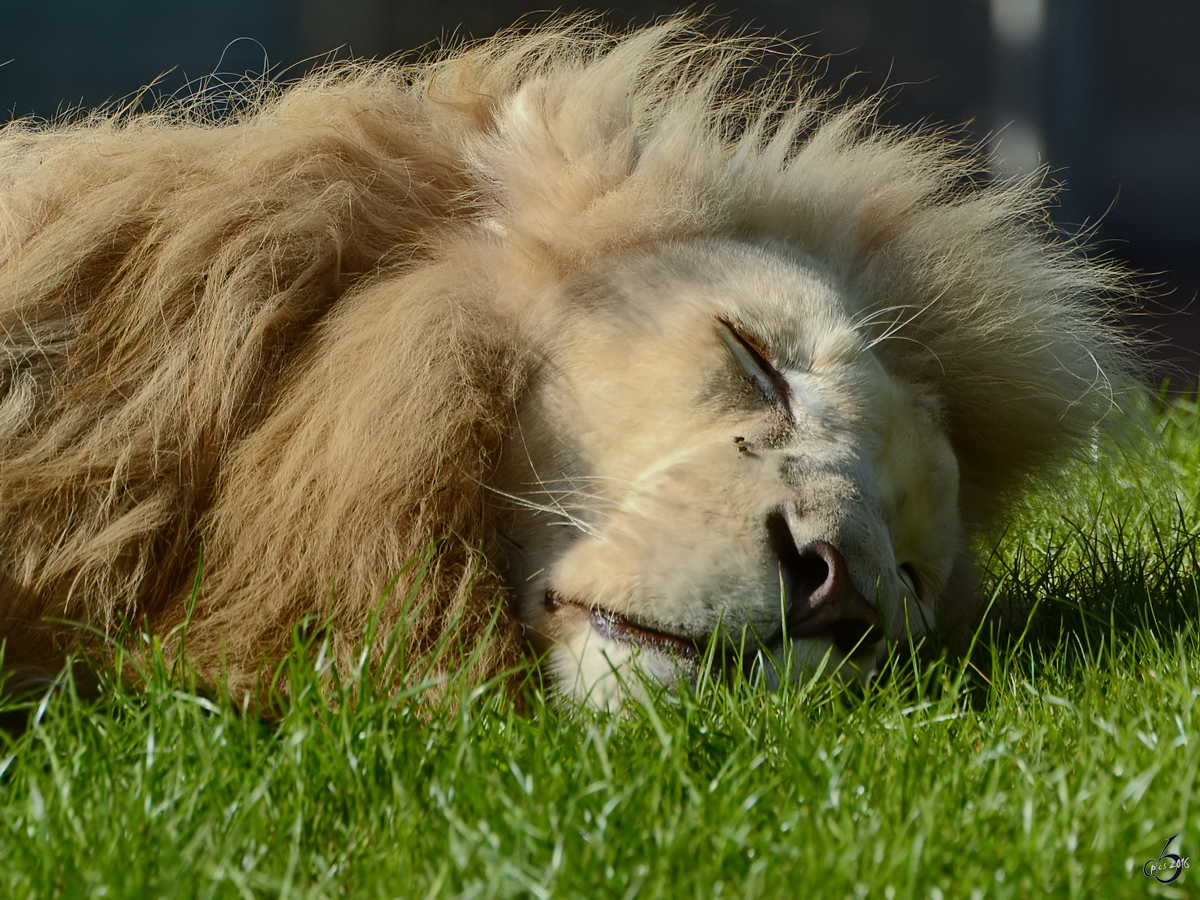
{"x": 1060, "y": 770}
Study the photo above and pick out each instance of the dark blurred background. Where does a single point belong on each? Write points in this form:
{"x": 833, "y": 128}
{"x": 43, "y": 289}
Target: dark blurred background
{"x": 1106, "y": 92}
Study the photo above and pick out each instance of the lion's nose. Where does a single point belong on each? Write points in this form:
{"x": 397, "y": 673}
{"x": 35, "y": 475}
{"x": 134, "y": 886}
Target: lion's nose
{"x": 820, "y": 597}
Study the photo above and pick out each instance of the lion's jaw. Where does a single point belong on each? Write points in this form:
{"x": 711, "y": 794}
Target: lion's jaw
{"x": 730, "y": 462}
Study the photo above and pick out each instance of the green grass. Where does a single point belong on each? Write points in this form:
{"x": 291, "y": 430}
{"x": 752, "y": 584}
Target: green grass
{"x": 1061, "y": 774}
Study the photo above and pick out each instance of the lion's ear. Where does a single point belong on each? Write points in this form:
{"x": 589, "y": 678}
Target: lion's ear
{"x": 556, "y": 150}
{"x": 525, "y": 114}
{"x": 588, "y": 122}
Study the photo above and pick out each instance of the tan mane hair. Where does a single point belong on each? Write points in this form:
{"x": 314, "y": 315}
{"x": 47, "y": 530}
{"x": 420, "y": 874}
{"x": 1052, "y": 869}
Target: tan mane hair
{"x": 297, "y": 336}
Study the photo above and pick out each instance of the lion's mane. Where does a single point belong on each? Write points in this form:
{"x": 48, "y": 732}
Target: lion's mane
{"x": 296, "y": 335}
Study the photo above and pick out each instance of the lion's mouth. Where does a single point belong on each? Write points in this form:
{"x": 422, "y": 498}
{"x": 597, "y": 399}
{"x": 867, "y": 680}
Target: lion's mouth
{"x": 624, "y": 630}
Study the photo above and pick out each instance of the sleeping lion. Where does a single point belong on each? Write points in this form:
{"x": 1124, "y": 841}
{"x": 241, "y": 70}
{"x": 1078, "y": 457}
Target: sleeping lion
{"x": 567, "y": 343}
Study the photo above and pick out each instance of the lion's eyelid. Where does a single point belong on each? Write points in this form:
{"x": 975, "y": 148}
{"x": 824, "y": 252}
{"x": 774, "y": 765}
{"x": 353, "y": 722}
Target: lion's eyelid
{"x": 768, "y": 379}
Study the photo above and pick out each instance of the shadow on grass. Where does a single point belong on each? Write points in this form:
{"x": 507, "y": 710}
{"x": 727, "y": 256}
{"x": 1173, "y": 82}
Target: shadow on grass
{"x": 1111, "y": 553}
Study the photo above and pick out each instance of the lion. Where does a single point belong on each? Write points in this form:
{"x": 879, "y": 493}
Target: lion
{"x": 569, "y": 342}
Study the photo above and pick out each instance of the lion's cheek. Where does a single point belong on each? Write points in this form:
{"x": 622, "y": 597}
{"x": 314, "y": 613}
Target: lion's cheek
{"x": 679, "y": 571}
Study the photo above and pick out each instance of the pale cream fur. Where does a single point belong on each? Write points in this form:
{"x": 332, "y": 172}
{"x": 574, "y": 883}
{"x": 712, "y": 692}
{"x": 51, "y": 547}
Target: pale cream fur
{"x": 472, "y": 301}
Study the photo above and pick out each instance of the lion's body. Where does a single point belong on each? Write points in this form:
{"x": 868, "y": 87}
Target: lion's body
{"x": 313, "y": 339}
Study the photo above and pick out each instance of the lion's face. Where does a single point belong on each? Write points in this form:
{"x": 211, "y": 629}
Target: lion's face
{"x": 714, "y": 451}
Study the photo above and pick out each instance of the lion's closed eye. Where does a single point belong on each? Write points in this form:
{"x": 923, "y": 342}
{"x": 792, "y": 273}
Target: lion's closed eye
{"x": 765, "y": 376}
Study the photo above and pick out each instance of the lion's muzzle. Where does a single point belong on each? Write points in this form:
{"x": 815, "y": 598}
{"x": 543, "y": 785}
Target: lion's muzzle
{"x": 820, "y": 599}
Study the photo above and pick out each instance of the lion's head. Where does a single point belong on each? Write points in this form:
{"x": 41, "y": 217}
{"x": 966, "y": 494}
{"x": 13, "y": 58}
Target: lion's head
{"x": 779, "y": 380}
{"x": 714, "y": 449}
{"x": 654, "y": 359}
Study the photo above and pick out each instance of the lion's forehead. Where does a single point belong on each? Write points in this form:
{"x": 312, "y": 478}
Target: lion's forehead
{"x": 788, "y": 297}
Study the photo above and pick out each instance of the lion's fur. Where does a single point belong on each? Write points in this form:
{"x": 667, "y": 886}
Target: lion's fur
{"x": 298, "y": 336}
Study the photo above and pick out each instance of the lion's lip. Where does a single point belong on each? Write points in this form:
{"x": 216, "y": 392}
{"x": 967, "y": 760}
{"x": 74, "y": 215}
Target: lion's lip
{"x": 624, "y": 630}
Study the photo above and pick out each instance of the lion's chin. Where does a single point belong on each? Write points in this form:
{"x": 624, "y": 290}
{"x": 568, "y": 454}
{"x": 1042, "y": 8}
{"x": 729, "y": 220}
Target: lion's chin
{"x": 596, "y": 659}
